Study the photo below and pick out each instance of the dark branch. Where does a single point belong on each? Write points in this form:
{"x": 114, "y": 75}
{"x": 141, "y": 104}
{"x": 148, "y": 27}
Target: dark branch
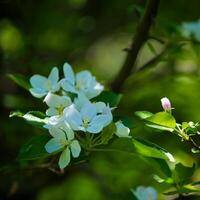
{"x": 139, "y": 39}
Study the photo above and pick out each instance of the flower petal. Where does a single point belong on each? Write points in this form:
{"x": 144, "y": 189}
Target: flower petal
{"x": 68, "y": 131}
{"x": 100, "y": 106}
{"x": 69, "y": 74}
{"x": 73, "y": 117}
{"x": 54, "y": 76}
{"x": 51, "y": 112}
{"x": 122, "y": 131}
{"x": 37, "y": 92}
{"x": 88, "y": 111}
{"x": 67, "y": 86}
{"x": 53, "y": 145}
{"x": 53, "y": 100}
{"x": 38, "y": 81}
{"x": 98, "y": 123}
{"x": 53, "y": 121}
{"x": 64, "y": 158}
{"x": 75, "y": 148}
{"x": 81, "y": 100}
{"x": 83, "y": 79}
{"x": 94, "y": 90}
{"x": 58, "y": 133}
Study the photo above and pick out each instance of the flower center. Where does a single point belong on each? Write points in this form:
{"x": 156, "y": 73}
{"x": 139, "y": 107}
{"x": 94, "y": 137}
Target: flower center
{"x": 78, "y": 85}
{"x": 64, "y": 142}
{"x": 60, "y": 109}
{"x": 86, "y": 122}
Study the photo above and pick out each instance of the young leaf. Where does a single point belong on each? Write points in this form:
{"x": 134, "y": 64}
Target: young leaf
{"x": 149, "y": 149}
{"x": 162, "y": 121}
{"x": 20, "y": 80}
{"x": 161, "y": 128}
{"x": 34, "y": 148}
{"x": 143, "y": 114}
{"x": 33, "y": 117}
{"x": 108, "y": 133}
{"x": 109, "y": 97}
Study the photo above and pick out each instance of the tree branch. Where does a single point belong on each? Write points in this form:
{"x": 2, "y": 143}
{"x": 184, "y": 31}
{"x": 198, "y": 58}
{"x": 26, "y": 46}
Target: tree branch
{"x": 139, "y": 39}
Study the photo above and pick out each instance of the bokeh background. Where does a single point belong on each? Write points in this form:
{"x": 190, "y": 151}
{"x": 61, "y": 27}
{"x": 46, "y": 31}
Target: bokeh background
{"x": 91, "y": 34}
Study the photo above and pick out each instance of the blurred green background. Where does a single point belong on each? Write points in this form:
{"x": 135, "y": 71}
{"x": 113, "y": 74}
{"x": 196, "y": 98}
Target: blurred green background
{"x": 91, "y": 34}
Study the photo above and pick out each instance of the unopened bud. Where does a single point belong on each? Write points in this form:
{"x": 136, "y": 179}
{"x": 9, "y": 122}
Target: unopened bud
{"x": 166, "y": 104}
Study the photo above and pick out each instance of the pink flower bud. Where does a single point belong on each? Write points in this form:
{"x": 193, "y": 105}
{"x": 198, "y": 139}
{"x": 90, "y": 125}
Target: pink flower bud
{"x": 166, "y": 104}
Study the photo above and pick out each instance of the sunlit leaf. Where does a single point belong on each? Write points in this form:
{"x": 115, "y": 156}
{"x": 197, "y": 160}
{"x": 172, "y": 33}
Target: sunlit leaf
{"x": 20, "y": 80}
{"x": 143, "y": 114}
{"x": 33, "y": 117}
{"x": 150, "y": 149}
{"x": 161, "y": 121}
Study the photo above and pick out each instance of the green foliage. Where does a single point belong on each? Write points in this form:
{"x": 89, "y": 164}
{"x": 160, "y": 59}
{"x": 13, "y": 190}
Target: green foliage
{"x": 183, "y": 173}
{"x": 34, "y": 148}
{"x": 108, "y": 133}
{"x": 149, "y": 149}
{"x": 141, "y": 147}
{"x": 20, "y": 80}
{"x": 180, "y": 178}
{"x": 175, "y": 74}
{"x": 143, "y": 114}
{"x": 35, "y": 118}
{"x": 162, "y": 120}
{"x": 162, "y": 166}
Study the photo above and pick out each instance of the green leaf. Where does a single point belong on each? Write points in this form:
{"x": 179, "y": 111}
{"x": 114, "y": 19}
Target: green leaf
{"x": 185, "y": 125}
{"x": 33, "y": 117}
{"x": 189, "y": 188}
{"x": 143, "y": 114}
{"x": 136, "y": 147}
{"x": 186, "y": 189}
{"x": 107, "y": 133}
{"x": 168, "y": 180}
{"x": 162, "y": 121}
{"x": 161, "y": 128}
{"x": 183, "y": 173}
{"x": 20, "y": 80}
{"x": 34, "y": 148}
{"x": 109, "y": 97}
{"x": 164, "y": 167}
{"x": 195, "y": 150}
{"x": 150, "y": 149}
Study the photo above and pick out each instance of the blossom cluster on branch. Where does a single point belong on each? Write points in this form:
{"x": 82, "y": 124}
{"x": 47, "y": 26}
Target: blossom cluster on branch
{"x": 72, "y": 111}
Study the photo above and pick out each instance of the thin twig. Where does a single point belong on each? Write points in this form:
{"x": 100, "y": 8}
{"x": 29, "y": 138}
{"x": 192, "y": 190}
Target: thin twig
{"x": 154, "y": 60}
{"x": 139, "y": 39}
{"x": 160, "y": 40}
{"x": 194, "y": 144}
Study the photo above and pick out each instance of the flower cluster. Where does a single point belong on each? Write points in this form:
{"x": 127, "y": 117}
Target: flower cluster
{"x": 72, "y": 111}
